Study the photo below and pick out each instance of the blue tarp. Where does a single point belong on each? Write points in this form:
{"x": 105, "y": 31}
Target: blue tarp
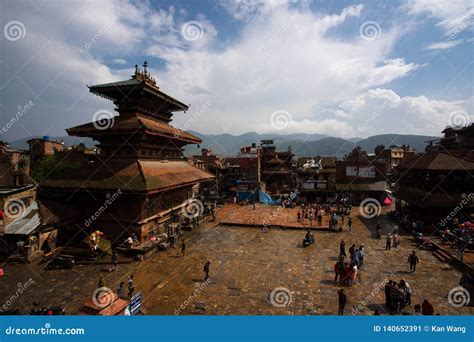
{"x": 265, "y": 198}
{"x": 245, "y": 196}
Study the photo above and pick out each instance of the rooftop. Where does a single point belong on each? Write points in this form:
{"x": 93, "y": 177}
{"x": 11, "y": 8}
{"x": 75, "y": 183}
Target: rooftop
{"x": 134, "y": 176}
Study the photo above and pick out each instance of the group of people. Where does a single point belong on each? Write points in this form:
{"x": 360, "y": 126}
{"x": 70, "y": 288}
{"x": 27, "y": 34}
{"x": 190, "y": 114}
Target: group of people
{"x": 315, "y": 212}
{"x": 397, "y": 296}
{"x": 392, "y": 240}
{"x": 130, "y": 286}
{"x": 346, "y": 271}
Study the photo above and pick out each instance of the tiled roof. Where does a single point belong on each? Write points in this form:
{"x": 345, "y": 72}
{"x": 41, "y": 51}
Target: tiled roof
{"x": 140, "y": 175}
{"x": 438, "y": 160}
{"x": 133, "y": 124}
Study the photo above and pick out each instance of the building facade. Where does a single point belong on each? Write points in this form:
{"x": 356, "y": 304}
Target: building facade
{"x": 139, "y": 182}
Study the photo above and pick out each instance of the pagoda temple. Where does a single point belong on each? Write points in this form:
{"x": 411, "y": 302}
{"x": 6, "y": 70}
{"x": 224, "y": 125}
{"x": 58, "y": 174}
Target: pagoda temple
{"x": 140, "y": 178}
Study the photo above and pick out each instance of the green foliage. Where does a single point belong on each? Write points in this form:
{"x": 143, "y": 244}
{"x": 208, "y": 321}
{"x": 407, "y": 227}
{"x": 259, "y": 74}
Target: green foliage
{"x": 52, "y": 167}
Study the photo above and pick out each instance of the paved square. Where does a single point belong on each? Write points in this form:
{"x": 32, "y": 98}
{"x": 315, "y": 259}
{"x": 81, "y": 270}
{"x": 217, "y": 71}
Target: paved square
{"x": 247, "y": 265}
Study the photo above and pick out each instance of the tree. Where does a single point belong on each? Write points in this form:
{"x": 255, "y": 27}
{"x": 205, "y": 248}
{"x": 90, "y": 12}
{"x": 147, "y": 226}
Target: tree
{"x": 52, "y": 167}
{"x": 379, "y": 150}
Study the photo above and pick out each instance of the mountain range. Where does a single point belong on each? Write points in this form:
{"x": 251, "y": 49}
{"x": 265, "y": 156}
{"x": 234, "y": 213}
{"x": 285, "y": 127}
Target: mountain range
{"x": 301, "y": 144}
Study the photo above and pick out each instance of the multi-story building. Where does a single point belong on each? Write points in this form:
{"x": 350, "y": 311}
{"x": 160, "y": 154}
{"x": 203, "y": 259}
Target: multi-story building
{"x": 140, "y": 178}
{"x": 360, "y": 177}
{"x": 14, "y": 166}
{"x": 434, "y": 184}
{"x": 316, "y": 179}
{"x": 277, "y": 169}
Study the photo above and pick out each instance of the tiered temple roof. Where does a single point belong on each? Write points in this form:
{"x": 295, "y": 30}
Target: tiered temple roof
{"x": 139, "y": 150}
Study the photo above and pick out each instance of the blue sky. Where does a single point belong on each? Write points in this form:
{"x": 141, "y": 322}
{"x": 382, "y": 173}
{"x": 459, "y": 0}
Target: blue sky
{"x": 342, "y": 68}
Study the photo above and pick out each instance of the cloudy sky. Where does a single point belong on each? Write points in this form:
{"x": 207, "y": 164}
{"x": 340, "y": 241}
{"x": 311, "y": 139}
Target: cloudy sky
{"x": 343, "y": 68}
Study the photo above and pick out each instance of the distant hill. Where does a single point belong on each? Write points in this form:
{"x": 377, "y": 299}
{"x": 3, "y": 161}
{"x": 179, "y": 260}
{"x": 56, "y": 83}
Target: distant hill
{"x": 228, "y": 144}
{"x": 301, "y": 144}
{"x": 335, "y": 147}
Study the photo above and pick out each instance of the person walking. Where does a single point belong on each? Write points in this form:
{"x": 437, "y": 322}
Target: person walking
{"x": 206, "y": 269}
{"x": 114, "y": 261}
{"x": 396, "y": 240}
{"x": 342, "y": 248}
{"x": 342, "y": 298}
{"x": 183, "y": 247}
{"x": 413, "y": 260}
{"x": 131, "y": 287}
{"x": 120, "y": 290}
{"x": 337, "y": 270}
{"x": 387, "y": 293}
{"x": 388, "y": 244}
{"x": 352, "y": 251}
{"x": 349, "y": 223}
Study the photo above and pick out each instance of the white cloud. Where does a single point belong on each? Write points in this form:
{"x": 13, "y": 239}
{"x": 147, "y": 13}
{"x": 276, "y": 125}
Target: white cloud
{"x": 120, "y": 61}
{"x": 250, "y": 9}
{"x": 444, "y": 45}
{"x": 453, "y": 16}
{"x": 380, "y": 111}
{"x": 283, "y": 60}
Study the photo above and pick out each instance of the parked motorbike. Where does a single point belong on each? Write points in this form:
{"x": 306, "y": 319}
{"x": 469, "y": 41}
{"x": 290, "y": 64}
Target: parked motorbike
{"x": 43, "y": 311}
{"x": 11, "y": 312}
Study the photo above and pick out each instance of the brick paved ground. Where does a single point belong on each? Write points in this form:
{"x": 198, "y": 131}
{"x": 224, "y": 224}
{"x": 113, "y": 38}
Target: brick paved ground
{"x": 269, "y": 216}
{"x": 247, "y": 264}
